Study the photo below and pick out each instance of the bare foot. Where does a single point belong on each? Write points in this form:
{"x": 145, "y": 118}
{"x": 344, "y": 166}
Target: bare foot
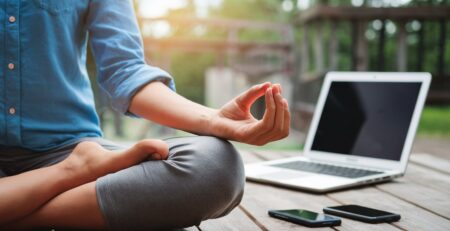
{"x": 91, "y": 160}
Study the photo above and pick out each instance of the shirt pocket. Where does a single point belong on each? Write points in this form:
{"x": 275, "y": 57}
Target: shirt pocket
{"x": 56, "y": 7}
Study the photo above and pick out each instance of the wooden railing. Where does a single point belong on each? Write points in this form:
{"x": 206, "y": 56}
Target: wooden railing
{"x": 320, "y": 20}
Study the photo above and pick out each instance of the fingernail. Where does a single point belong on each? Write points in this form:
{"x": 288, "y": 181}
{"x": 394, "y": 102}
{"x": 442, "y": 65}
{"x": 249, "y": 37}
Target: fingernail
{"x": 275, "y": 90}
{"x": 155, "y": 156}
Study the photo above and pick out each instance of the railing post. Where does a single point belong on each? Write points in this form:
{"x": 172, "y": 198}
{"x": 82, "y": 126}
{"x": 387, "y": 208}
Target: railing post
{"x": 401, "y": 47}
{"x": 334, "y": 47}
{"x": 304, "y": 51}
{"x": 441, "y": 49}
{"x": 421, "y": 46}
{"x": 318, "y": 47}
{"x": 360, "y": 58}
{"x": 381, "y": 45}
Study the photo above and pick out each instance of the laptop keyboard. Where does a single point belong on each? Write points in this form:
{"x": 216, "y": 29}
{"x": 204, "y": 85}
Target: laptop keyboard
{"x": 327, "y": 169}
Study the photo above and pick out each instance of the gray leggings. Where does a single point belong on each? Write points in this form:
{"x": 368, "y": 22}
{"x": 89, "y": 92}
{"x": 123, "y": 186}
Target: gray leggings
{"x": 203, "y": 178}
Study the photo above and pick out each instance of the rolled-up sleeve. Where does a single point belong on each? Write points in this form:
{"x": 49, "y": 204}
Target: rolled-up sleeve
{"x": 117, "y": 47}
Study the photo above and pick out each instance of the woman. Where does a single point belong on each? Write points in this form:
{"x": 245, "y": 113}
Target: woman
{"x": 59, "y": 172}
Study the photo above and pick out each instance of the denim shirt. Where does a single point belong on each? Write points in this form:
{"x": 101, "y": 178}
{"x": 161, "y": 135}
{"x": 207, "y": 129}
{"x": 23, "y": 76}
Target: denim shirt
{"x": 45, "y": 95}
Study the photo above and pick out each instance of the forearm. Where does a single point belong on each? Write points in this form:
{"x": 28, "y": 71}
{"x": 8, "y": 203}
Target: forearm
{"x": 158, "y": 103}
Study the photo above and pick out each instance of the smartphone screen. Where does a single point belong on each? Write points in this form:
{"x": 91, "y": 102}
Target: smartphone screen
{"x": 305, "y": 217}
{"x": 305, "y": 214}
{"x": 364, "y": 211}
{"x": 361, "y": 213}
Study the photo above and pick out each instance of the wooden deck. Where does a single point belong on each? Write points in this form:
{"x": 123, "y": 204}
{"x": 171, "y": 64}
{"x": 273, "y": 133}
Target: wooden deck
{"x": 422, "y": 197}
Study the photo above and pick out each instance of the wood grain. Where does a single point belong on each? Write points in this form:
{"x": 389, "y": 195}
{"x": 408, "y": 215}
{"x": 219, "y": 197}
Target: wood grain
{"x": 413, "y": 217}
{"x": 236, "y": 220}
{"x": 421, "y": 197}
{"x": 431, "y": 162}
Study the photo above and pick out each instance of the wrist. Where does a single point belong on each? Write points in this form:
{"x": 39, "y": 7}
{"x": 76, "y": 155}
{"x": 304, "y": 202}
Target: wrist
{"x": 210, "y": 119}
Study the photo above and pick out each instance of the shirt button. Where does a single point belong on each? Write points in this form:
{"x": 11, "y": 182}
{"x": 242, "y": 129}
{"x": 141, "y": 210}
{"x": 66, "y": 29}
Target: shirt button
{"x": 11, "y": 66}
{"x": 12, "y": 19}
{"x": 12, "y": 111}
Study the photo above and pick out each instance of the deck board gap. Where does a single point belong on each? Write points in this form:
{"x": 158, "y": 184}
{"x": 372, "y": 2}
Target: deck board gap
{"x": 411, "y": 202}
{"x": 260, "y": 156}
{"x": 428, "y": 167}
{"x": 253, "y": 219}
{"x": 342, "y": 203}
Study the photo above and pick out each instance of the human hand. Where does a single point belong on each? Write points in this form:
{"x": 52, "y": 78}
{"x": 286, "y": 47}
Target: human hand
{"x": 235, "y": 122}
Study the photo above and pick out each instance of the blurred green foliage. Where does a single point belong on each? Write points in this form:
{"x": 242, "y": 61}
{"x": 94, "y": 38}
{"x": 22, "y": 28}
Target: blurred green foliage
{"x": 435, "y": 121}
{"x": 188, "y": 69}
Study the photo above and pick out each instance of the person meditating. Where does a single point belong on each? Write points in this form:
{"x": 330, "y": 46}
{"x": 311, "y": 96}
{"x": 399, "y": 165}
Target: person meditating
{"x": 57, "y": 170}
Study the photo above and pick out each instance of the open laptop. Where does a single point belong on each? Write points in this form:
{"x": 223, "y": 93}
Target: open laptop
{"x": 361, "y": 132}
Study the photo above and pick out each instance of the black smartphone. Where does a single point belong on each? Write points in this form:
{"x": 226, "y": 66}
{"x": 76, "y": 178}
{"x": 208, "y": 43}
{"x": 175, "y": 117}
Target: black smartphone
{"x": 361, "y": 213}
{"x": 305, "y": 217}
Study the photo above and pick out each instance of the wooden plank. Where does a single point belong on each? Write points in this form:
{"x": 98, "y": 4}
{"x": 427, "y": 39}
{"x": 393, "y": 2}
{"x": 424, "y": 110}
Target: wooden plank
{"x": 413, "y": 217}
{"x": 318, "y": 48}
{"x": 322, "y": 12}
{"x": 259, "y": 198}
{"x": 249, "y": 157}
{"x": 430, "y": 161}
{"x": 219, "y": 22}
{"x": 420, "y": 186}
{"x": 420, "y": 197}
{"x": 304, "y": 49}
{"x": 420, "y": 46}
{"x": 427, "y": 198}
{"x": 425, "y": 176}
{"x": 381, "y": 45}
{"x": 236, "y": 220}
{"x": 401, "y": 47}
{"x": 208, "y": 44}
{"x": 334, "y": 47}
{"x": 360, "y": 57}
{"x": 441, "y": 47}
{"x": 417, "y": 188}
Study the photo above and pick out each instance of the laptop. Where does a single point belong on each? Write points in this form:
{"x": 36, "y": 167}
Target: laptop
{"x": 362, "y": 131}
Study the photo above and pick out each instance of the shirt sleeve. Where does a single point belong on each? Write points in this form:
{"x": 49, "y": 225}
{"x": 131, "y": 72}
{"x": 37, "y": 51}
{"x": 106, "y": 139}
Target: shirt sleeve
{"x": 118, "y": 51}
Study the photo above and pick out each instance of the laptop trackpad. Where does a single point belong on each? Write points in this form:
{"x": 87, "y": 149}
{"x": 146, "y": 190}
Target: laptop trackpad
{"x": 305, "y": 179}
{"x": 284, "y": 175}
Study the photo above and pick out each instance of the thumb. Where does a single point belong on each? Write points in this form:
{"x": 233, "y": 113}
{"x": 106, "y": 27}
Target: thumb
{"x": 246, "y": 99}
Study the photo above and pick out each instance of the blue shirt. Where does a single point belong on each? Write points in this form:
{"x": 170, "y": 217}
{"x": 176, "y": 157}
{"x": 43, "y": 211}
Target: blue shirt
{"x": 45, "y": 95}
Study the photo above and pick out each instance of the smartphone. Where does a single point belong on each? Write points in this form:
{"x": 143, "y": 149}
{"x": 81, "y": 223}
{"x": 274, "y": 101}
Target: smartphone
{"x": 305, "y": 217}
{"x": 361, "y": 213}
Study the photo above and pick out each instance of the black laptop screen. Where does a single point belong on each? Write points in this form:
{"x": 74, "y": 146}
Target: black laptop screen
{"x": 369, "y": 119}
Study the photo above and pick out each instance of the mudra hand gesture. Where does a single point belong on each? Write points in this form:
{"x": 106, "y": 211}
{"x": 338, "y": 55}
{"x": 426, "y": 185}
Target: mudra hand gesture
{"x": 234, "y": 120}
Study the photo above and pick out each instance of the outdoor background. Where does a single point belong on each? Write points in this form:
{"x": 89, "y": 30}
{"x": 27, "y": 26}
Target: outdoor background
{"x": 215, "y": 49}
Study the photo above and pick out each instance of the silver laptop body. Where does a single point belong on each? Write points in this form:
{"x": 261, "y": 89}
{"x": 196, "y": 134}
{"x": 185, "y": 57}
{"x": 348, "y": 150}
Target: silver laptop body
{"x": 361, "y": 132}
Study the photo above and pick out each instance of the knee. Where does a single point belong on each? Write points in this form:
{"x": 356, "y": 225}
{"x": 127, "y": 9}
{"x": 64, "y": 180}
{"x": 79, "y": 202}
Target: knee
{"x": 203, "y": 178}
{"x": 220, "y": 173}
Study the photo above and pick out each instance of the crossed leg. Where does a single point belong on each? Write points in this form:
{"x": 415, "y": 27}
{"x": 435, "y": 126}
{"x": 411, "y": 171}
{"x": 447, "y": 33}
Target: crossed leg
{"x": 28, "y": 191}
{"x": 76, "y": 208}
{"x": 202, "y": 178}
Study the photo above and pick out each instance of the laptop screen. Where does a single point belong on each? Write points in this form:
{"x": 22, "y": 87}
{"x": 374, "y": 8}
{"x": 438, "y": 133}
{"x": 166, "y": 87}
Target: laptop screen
{"x": 369, "y": 119}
